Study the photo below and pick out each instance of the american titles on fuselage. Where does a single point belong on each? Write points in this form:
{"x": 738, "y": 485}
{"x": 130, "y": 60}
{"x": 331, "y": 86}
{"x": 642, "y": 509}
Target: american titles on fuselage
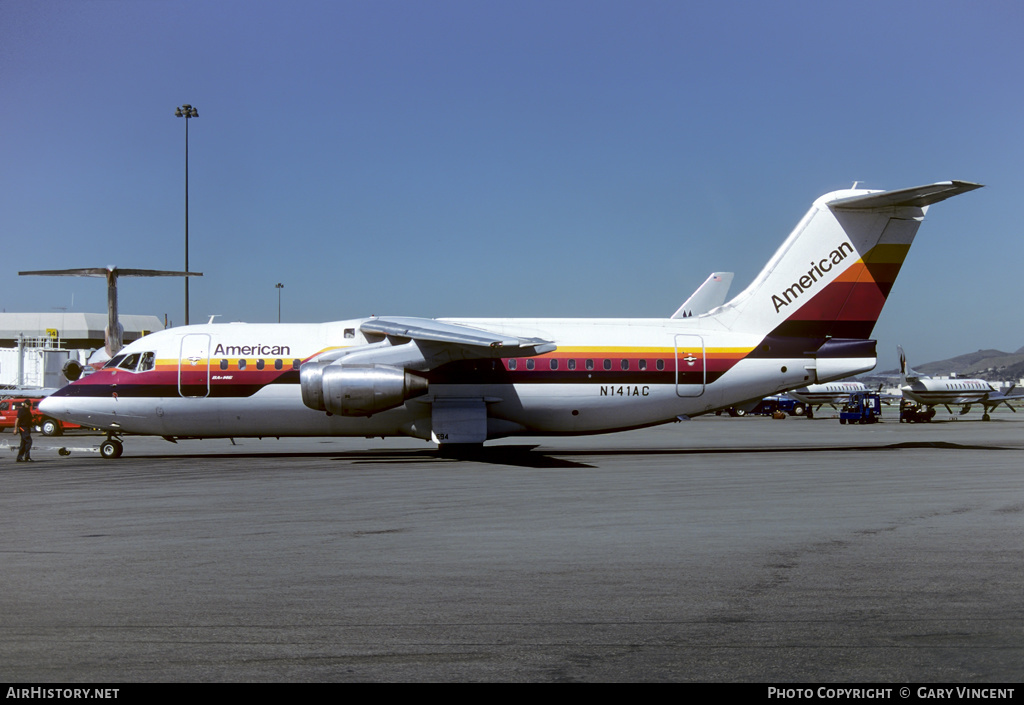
{"x": 811, "y": 278}
{"x": 245, "y": 350}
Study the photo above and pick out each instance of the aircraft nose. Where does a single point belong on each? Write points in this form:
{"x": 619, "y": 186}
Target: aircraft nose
{"x": 55, "y": 407}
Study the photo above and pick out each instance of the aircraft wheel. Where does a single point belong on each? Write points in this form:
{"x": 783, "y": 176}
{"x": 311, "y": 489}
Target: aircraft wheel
{"x": 799, "y": 410}
{"x": 986, "y": 417}
{"x": 741, "y": 412}
{"x": 111, "y": 449}
{"x": 51, "y": 427}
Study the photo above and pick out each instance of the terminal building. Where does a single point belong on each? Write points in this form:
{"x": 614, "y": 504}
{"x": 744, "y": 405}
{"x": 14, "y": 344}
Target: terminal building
{"x": 35, "y": 346}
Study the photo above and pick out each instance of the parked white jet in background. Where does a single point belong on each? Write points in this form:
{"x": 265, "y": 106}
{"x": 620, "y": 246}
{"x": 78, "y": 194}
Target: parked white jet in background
{"x": 832, "y": 394}
{"x": 924, "y": 390}
{"x": 805, "y": 319}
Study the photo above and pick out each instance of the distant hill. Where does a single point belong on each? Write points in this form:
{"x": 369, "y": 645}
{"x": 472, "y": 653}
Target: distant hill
{"x": 983, "y": 364}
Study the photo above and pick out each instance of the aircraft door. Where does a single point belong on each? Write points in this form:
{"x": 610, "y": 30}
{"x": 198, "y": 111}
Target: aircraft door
{"x": 691, "y": 374}
{"x": 194, "y": 366}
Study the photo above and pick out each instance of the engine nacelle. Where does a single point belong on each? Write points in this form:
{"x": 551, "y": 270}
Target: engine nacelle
{"x": 357, "y": 390}
{"x": 72, "y": 370}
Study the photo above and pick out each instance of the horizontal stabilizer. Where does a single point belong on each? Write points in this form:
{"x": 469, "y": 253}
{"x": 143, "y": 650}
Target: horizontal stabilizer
{"x": 919, "y": 196}
{"x": 104, "y": 271}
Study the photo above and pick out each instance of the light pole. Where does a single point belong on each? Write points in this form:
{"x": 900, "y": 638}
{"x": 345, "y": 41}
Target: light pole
{"x": 186, "y": 111}
{"x": 279, "y": 286}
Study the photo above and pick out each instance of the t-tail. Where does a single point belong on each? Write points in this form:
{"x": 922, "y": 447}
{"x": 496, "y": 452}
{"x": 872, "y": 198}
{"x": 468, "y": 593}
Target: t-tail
{"x": 823, "y": 290}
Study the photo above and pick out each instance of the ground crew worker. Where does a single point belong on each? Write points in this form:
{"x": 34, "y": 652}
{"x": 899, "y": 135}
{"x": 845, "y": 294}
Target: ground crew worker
{"x": 24, "y": 427}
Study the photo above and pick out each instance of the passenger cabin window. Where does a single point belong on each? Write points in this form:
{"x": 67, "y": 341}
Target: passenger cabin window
{"x": 512, "y": 364}
{"x": 224, "y": 364}
{"x": 296, "y": 364}
{"x": 572, "y": 364}
{"x": 660, "y": 364}
{"x": 590, "y": 364}
{"x": 607, "y": 364}
{"x": 554, "y": 364}
{"x": 278, "y": 364}
{"x": 241, "y": 364}
{"x": 260, "y": 364}
{"x": 530, "y": 364}
{"x": 624, "y": 364}
{"x": 643, "y": 364}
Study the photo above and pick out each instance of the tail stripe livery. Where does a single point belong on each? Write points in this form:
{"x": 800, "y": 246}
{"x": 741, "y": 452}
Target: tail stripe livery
{"x": 833, "y": 274}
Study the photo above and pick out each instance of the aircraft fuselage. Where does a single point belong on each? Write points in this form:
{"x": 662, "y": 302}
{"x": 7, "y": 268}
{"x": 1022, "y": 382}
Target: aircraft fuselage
{"x": 605, "y": 375}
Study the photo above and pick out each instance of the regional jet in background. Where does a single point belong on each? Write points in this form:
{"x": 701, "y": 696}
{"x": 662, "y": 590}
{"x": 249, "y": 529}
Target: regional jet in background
{"x": 805, "y": 319}
{"x": 711, "y": 294}
{"x": 113, "y": 334}
{"x": 832, "y": 394}
{"x": 924, "y": 390}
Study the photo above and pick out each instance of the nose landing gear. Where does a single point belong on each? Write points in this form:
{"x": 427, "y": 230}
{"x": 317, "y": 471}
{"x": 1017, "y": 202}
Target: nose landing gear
{"x": 111, "y": 448}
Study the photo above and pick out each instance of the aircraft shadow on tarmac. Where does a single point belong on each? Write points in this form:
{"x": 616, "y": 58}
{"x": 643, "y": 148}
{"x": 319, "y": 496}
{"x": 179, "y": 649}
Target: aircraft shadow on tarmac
{"x": 527, "y": 456}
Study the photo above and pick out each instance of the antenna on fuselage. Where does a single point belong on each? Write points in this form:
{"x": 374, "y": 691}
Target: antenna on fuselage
{"x": 114, "y": 334}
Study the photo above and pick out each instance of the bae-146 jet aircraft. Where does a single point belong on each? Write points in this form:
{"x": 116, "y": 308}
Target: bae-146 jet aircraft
{"x": 930, "y": 392}
{"x": 805, "y": 319}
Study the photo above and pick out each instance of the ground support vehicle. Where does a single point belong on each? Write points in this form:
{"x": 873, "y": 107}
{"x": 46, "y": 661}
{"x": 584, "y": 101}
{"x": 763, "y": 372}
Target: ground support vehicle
{"x": 46, "y": 425}
{"x": 863, "y": 407}
{"x": 912, "y": 412}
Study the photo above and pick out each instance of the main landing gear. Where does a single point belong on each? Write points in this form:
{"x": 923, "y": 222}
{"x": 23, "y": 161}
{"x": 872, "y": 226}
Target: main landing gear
{"x": 111, "y": 448}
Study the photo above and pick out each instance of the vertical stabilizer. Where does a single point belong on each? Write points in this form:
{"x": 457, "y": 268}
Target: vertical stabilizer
{"x": 832, "y": 275}
{"x": 907, "y": 374}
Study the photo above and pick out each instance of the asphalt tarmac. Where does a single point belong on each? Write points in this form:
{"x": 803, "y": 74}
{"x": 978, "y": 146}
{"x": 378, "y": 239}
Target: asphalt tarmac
{"x": 729, "y": 550}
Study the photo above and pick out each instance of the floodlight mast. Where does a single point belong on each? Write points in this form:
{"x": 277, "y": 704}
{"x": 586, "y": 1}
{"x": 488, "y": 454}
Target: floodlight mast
{"x": 186, "y": 111}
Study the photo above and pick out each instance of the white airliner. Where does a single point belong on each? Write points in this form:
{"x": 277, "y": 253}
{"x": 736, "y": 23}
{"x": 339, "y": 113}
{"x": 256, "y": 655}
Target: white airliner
{"x": 805, "y": 319}
{"x": 830, "y": 393}
{"x": 930, "y": 392}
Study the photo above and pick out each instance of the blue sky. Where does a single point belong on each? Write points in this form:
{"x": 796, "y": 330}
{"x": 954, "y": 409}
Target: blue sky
{"x": 502, "y": 159}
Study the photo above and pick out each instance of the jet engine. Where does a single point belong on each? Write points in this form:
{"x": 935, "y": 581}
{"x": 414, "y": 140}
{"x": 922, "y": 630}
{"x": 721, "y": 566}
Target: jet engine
{"x": 72, "y": 370}
{"x": 357, "y": 390}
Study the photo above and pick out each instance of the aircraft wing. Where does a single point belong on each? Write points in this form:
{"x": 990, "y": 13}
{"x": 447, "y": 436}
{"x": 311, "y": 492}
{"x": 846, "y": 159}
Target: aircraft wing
{"x": 1010, "y": 395}
{"x": 473, "y": 342}
{"x": 424, "y": 343}
{"x": 428, "y": 329}
{"x": 27, "y": 392}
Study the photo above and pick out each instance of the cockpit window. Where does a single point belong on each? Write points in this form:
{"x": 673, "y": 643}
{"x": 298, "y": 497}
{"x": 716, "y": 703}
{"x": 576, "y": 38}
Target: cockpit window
{"x": 129, "y": 362}
{"x": 114, "y": 361}
{"x": 133, "y": 362}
